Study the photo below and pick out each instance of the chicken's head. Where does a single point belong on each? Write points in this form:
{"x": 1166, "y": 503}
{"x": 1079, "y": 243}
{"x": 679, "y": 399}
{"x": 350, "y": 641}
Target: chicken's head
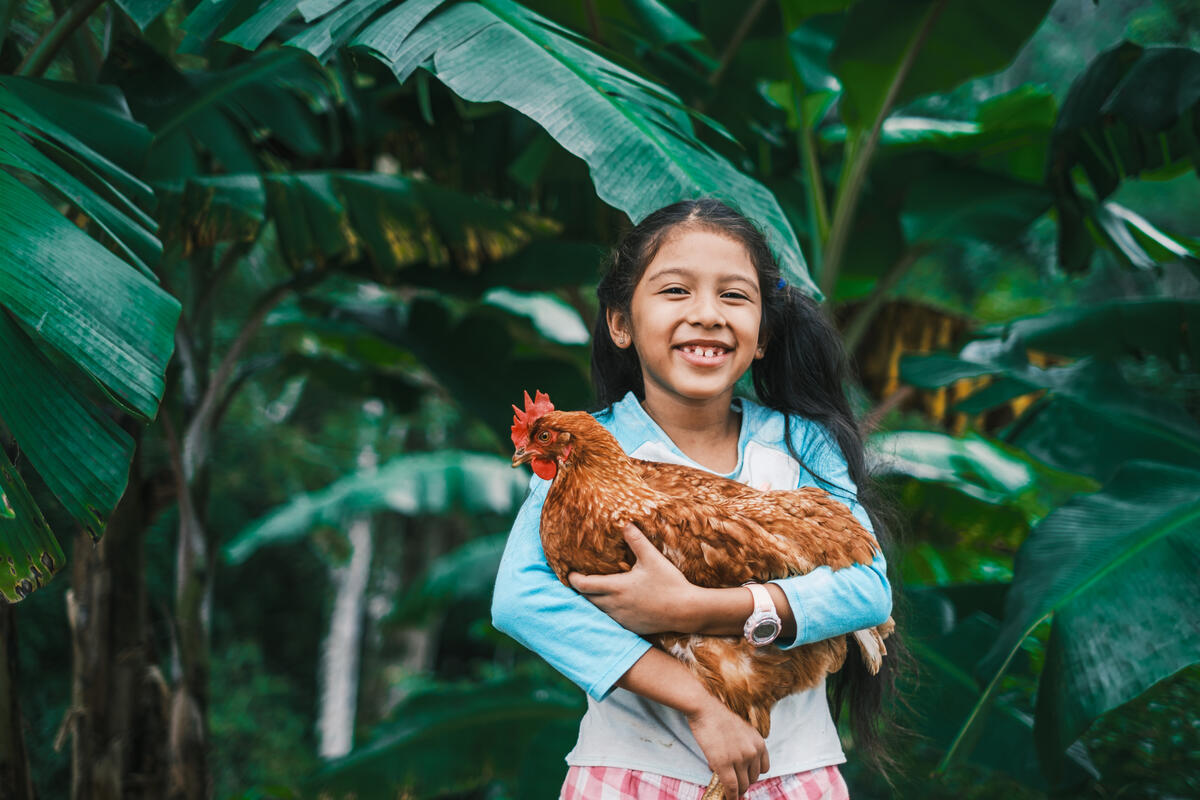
{"x": 539, "y": 452}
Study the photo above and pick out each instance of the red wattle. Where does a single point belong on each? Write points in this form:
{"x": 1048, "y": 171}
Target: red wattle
{"x": 545, "y": 468}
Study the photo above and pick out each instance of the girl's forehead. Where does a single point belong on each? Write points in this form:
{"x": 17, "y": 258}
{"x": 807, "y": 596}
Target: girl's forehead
{"x": 702, "y": 253}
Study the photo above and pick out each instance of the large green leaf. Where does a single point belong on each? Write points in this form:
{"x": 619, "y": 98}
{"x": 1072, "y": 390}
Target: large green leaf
{"x": 79, "y": 323}
{"x": 27, "y": 545}
{"x": 1167, "y": 328}
{"x": 1009, "y": 135}
{"x": 946, "y": 640}
{"x": 896, "y": 50}
{"x": 1130, "y": 113}
{"x": 467, "y": 573}
{"x": 477, "y": 356}
{"x": 143, "y": 12}
{"x": 970, "y": 204}
{"x": 1069, "y": 436}
{"x": 1094, "y": 384}
{"x": 92, "y": 120}
{"x": 222, "y": 113}
{"x": 635, "y": 135}
{"x": 69, "y": 165}
{"x": 417, "y": 483}
{"x": 83, "y": 301}
{"x": 1119, "y": 571}
{"x": 81, "y": 454}
{"x": 453, "y": 738}
{"x": 978, "y": 467}
{"x": 386, "y": 222}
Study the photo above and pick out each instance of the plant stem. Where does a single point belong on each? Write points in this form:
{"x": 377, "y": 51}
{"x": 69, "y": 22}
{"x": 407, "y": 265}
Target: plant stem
{"x": 857, "y": 327}
{"x": 593, "y": 20}
{"x": 743, "y": 29}
{"x": 43, "y": 52}
{"x": 860, "y": 149}
{"x": 818, "y": 217}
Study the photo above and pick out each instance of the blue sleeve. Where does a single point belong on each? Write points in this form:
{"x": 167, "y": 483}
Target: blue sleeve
{"x": 532, "y": 605}
{"x": 827, "y": 602}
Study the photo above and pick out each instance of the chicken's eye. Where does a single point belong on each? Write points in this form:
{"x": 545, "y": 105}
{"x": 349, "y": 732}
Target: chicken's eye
{"x": 544, "y": 436}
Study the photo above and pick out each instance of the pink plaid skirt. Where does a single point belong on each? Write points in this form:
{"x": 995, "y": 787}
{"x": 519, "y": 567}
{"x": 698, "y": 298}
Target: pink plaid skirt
{"x": 617, "y": 783}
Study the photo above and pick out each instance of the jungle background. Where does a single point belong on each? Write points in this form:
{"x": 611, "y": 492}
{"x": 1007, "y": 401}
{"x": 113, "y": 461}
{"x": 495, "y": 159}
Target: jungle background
{"x": 272, "y": 271}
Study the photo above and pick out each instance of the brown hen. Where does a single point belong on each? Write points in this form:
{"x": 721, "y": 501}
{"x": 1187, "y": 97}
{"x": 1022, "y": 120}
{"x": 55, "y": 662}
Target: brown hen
{"x": 717, "y": 532}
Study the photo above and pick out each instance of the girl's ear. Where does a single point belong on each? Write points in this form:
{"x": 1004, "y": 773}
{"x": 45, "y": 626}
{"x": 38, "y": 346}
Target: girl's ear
{"x": 618, "y": 328}
{"x": 761, "y": 350}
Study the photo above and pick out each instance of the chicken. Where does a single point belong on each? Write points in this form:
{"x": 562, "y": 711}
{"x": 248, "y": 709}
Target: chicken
{"x": 717, "y": 532}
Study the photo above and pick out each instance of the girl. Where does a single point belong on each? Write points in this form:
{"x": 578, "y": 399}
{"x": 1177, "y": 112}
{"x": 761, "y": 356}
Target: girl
{"x": 691, "y": 301}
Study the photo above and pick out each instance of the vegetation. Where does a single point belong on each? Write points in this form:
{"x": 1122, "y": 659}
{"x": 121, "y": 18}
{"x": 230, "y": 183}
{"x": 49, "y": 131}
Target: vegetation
{"x": 271, "y": 272}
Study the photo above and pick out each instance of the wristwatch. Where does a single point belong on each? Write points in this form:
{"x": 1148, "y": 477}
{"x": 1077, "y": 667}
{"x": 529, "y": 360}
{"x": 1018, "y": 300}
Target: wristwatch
{"x": 763, "y": 625}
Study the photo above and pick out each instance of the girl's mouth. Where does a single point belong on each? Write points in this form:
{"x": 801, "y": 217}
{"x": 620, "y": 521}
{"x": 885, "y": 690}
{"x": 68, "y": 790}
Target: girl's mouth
{"x": 704, "y": 355}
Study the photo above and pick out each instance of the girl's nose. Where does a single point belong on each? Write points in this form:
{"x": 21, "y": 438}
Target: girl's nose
{"x": 706, "y": 311}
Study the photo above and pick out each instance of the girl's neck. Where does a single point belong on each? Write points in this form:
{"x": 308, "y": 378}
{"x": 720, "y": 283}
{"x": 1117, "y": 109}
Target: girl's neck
{"x": 705, "y": 431}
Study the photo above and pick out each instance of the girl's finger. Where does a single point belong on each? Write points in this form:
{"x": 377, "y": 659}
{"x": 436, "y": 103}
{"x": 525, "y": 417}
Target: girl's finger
{"x": 730, "y": 782}
{"x": 586, "y": 584}
{"x": 636, "y": 540}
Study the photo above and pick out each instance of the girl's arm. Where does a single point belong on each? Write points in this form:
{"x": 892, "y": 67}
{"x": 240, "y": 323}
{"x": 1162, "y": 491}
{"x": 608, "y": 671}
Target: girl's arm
{"x": 531, "y": 605}
{"x": 735, "y": 751}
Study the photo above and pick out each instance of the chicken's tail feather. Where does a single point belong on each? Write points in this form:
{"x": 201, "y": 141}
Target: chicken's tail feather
{"x": 714, "y": 790}
{"x": 870, "y": 642}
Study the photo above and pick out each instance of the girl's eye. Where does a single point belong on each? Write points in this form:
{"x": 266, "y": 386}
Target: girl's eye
{"x": 674, "y": 290}
{"x": 544, "y": 436}
{"x": 736, "y": 295}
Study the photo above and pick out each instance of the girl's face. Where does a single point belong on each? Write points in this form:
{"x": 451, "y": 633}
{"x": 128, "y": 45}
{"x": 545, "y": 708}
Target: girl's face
{"x": 695, "y": 317}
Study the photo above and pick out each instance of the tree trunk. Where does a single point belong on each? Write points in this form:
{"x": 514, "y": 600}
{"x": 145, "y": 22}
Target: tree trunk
{"x": 16, "y": 782}
{"x": 118, "y": 716}
{"x": 188, "y": 735}
{"x": 341, "y": 658}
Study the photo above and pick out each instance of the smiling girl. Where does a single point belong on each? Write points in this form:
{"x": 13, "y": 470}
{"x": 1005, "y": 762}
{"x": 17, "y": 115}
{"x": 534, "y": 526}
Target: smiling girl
{"x": 692, "y": 300}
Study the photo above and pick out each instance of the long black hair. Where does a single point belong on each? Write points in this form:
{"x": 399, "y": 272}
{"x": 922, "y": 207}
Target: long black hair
{"x": 802, "y": 373}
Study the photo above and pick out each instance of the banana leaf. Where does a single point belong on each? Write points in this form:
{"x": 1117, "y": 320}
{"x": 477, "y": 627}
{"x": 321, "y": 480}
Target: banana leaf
{"x": 84, "y": 326}
{"x": 1118, "y": 572}
{"x": 340, "y": 218}
{"x": 636, "y": 136}
{"x": 416, "y": 483}
{"x": 454, "y": 738}
{"x": 1130, "y": 114}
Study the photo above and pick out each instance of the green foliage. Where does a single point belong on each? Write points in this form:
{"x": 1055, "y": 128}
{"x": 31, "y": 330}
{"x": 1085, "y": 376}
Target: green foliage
{"x": 451, "y": 166}
{"x": 261, "y": 735}
{"x": 1131, "y": 112}
{"x": 451, "y": 738}
{"x": 82, "y": 329}
{"x": 424, "y": 483}
{"x": 618, "y": 122}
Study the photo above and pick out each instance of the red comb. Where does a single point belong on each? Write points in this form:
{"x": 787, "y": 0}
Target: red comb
{"x": 523, "y": 419}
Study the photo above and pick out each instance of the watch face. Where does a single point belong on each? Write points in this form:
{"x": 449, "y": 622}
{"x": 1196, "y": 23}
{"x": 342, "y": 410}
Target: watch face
{"x": 766, "y": 630}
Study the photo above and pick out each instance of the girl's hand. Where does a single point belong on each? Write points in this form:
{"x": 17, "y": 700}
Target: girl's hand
{"x": 650, "y": 598}
{"x": 735, "y": 751}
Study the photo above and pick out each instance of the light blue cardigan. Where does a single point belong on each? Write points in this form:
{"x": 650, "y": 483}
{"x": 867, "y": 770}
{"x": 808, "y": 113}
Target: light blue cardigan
{"x": 589, "y": 647}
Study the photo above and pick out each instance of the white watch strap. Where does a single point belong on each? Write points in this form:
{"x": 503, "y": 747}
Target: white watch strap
{"x": 762, "y": 598}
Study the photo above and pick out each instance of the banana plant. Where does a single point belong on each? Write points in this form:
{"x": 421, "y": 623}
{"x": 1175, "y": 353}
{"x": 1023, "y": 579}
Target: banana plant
{"x": 637, "y": 137}
{"x": 84, "y": 325}
{"x": 411, "y": 484}
{"x": 1130, "y": 114}
{"x": 1094, "y": 558}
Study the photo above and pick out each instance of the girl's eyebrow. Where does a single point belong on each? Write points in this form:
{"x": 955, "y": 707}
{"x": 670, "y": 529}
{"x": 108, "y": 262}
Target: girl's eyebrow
{"x": 687, "y": 273}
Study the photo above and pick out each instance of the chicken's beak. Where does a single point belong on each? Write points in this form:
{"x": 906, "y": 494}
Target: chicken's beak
{"x": 522, "y": 456}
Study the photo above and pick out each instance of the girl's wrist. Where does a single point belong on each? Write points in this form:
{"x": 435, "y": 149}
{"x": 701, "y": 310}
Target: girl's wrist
{"x": 723, "y": 612}
{"x": 717, "y": 612}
